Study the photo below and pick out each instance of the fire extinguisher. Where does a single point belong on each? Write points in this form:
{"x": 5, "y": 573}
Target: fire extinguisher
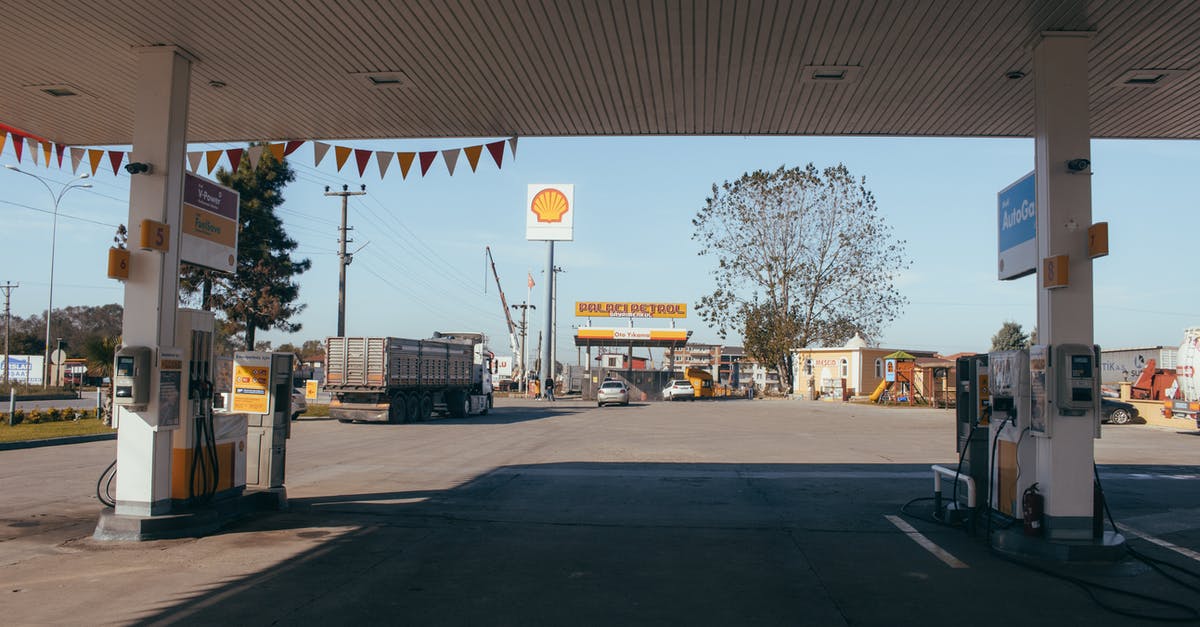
{"x": 1033, "y": 504}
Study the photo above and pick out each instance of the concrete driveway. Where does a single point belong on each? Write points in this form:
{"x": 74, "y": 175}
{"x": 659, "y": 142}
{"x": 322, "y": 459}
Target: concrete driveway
{"x": 702, "y": 513}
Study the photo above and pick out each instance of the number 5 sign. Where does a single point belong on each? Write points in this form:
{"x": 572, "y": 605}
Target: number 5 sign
{"x": 155, "y": 236}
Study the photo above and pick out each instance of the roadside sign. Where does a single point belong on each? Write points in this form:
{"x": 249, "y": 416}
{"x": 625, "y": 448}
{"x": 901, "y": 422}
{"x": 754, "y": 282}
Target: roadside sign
{"x": 1016, "y": 217}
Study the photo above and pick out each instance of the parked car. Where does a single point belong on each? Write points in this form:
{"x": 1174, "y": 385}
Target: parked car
{"x": 612, "y": 392}
{"x": 299, "y": 403}
{"x": 679, "y": 388}
{"x": 1117, "y": 412}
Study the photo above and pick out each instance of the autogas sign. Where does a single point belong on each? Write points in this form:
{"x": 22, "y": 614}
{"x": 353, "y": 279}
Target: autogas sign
{"x": 1017, "y": 228}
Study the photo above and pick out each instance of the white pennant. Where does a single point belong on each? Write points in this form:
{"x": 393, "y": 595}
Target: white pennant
{"x": 512, "y": 144}
{"x": 32, "y": 146}
{"x": 451, "y": 157}
{"x": 76, "y": 157}
{"x": 194, "y": 159}
{"x": 255, "y": 154}
{"x": 384, "y": 158}
{"x": 319, "y": 150}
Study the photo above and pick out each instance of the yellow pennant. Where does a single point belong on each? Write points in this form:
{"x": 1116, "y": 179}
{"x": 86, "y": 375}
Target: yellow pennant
{"x": 94, "y": 157}
{"x": 211, "y": 158}
{"x": 46, "y": 151}
{"x": 277, "y": 150}
{"x": 406, "y": 160}
{"x": 473, "y": 153}
{"x": 341, "y": 153}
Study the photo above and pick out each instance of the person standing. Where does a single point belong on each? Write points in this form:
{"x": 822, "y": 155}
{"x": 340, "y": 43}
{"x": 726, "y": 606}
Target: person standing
{"x": 549, "y": 388}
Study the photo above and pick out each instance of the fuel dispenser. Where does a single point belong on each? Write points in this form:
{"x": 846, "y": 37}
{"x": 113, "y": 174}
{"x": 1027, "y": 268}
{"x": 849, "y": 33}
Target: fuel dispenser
{"x": 1013, "y": 456}
{"x": 208, "y": 459}
{"x": 973, "y": 412}
{"x": 262, "y": 389}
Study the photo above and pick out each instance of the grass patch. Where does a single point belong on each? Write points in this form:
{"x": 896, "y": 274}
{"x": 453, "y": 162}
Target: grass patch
{"x": 317, "y": 411}
{"x": 46, "y": 430}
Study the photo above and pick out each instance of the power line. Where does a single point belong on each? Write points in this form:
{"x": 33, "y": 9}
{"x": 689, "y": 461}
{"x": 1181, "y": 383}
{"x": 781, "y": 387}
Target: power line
{"x": 60, "y": 214}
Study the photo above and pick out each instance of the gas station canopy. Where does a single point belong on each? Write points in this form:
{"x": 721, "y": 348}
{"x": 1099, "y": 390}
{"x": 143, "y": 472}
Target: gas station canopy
{"x": 631, "y": 337}
{"x": 314, "y": 69}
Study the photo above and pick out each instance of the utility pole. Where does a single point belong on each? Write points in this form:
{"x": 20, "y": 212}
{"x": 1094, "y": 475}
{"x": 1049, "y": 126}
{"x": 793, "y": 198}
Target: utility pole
{"x": 524, "y": 307}
{"x": 343, "y": 258}
{"x": 8, "y": 288}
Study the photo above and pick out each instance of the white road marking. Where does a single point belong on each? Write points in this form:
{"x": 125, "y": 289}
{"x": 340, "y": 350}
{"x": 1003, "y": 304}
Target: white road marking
{"x": 1160, "y": 542}
{"x": 926, "y": 543}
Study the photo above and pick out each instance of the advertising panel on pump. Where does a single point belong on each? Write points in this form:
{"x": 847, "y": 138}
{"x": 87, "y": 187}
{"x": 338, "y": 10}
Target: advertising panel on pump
{"x": 1017, "y": 228}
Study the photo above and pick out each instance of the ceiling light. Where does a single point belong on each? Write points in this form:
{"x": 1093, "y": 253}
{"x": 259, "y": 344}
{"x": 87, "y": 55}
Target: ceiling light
{"x": 1147, "y": 77}
{"x": 384, "y": 80}
{"x": 830, "y": 73}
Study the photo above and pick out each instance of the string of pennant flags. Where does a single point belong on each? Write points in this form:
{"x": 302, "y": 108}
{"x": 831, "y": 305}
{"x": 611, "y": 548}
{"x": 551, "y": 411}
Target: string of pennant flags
{"x": 52, "y": 153}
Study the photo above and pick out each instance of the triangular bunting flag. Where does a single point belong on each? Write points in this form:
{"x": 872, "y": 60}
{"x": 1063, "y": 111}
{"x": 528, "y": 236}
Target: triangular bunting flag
{"x": 94, "y": 157}
{"x": 32, "y": 144}
{"x": 292, "y": 146}
{"x": 512, "y": 142}
{"x": 255, "y": 154}
{"x": 59, "y": 148}
{"x": 18, "y": 145}
{"x": 427, "y": 160}
{"x": 341, "y": 153}
{"x": 497, "y": 151}
{"x": 384, "y": 159}
{"x": 3, "y": 138}
{"x": 362, "y": 157}
{"x": 194, "y": 160}
{"x": 211, "y": 158}
{"x": 277, "y": 151}
{"x": 473, "y": 153}
{"x": 115, "y": 157}
{"x": 235, "y": 157}
{"x": 76, "y": 157}
{"x": 405, "y": 159}
{"x": 319, "y": 150}
{"x": 451, "y": 158}
{"x": 46, "y": 148}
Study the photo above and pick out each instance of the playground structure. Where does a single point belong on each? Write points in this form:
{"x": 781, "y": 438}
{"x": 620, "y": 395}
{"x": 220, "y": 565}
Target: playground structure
{"x": 899, "y": 380}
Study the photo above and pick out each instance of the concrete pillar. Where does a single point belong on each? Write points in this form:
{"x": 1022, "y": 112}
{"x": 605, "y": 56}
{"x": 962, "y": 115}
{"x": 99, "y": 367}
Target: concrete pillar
{"x": 1064, "y": 212}
{"x": 152, "y": 291}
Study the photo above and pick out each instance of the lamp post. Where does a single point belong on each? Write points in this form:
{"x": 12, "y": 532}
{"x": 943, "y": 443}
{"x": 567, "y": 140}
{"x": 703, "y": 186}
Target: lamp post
{"x": 74, "y": 183}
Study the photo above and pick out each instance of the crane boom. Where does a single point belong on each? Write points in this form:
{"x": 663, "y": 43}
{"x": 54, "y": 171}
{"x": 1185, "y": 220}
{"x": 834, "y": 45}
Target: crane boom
{"x": 512, "y": 327}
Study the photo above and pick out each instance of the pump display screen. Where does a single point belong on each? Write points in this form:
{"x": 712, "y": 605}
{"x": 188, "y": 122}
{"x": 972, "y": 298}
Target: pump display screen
{"x": 125, "y": 366}
{"x": 1081, "y": 366}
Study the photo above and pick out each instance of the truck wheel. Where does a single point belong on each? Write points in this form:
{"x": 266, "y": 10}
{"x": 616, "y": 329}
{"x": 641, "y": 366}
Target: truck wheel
{"x": 396, "y": 410}
{"x": 458, "y": 404}
{"x": 426, "y": 407}
{"x": 412, "y": 407}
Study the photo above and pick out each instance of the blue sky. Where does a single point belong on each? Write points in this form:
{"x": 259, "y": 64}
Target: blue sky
{"x": 422, "y": 268}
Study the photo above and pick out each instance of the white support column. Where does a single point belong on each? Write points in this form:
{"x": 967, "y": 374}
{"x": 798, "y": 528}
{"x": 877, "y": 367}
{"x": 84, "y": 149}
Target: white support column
{"x": 152, "y": 291}
{"x": 1064, "y": 212}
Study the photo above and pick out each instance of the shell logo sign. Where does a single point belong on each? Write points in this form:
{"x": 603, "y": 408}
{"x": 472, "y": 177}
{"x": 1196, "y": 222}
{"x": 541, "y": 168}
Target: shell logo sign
{"x": 550, "y": 212}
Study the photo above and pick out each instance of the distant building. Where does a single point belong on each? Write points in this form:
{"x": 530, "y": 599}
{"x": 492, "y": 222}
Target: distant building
{"x": 621, "y": 361}
{"x": 855, "y": 368}
{"x": 1127, "y": 364}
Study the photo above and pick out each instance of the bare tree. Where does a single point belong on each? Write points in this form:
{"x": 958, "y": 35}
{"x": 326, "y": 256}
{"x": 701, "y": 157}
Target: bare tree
{"x": 803, "y": 258}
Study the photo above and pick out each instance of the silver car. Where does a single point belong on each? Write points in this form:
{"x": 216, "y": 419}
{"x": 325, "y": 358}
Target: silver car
{"x": 612, "y": 392}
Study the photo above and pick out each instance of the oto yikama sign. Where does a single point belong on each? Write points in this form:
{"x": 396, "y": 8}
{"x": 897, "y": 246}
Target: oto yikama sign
{"x": 630, "y": 310}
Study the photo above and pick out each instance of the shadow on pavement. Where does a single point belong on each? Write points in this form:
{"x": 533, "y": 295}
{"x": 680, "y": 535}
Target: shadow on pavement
{"x": 641, "y": 543}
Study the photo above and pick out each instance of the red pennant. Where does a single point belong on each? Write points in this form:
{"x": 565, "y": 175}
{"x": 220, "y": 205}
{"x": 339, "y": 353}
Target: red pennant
{"x": 18, "y": 145}
{"x": 235, "y": 157}
{"x": 427, "y": 160}
{"x": 59, "y": 148}
{"x": 497, "y": 151}
{"x": 292, "y": 146}
{"x": 361, "y": 157}
{"x": 115, "y": 157}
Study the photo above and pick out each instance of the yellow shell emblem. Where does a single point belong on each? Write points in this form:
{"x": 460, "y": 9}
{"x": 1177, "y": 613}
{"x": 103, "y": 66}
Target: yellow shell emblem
{"x": 549, "y": 205}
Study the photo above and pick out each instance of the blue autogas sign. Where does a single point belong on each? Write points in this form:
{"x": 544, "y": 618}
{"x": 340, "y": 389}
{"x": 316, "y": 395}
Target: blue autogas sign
{"x": 1017, "y": 228}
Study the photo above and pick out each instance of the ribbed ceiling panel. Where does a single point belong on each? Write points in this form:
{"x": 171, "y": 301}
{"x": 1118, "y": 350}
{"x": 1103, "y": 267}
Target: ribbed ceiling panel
{"x": 592, "y": 67}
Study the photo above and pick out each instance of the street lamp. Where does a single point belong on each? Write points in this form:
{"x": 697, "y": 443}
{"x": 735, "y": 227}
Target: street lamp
{"x": 74, "y": 183}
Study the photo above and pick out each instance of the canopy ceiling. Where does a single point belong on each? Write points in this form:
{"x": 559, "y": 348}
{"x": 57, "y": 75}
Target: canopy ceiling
{"x": 317, "y": 69}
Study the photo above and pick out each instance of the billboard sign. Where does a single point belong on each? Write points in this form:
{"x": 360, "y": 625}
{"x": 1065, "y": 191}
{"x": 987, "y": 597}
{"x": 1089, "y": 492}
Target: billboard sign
{"x": 630, "y": 310}
{"x": 1017, "y": 228}
{"x": 209, "y": 228}
{"x": 550, "y": 212}
{"x": 25, "y": 369}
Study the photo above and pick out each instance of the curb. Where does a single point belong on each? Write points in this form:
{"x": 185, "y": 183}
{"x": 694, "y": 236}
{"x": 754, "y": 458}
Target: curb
{"x": 75, "y": 439}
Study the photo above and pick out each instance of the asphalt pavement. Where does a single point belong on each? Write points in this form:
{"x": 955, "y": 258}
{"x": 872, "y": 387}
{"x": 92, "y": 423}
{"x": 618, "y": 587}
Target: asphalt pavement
{"x": 699, "y": 513}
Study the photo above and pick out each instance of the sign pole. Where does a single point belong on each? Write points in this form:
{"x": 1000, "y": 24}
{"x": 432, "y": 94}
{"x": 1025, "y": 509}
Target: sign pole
{"x": 547, "y": 351}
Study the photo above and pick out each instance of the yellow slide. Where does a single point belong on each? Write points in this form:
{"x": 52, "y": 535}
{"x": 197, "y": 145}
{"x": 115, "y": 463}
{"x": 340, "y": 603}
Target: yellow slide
{"x": 878, "y": 391}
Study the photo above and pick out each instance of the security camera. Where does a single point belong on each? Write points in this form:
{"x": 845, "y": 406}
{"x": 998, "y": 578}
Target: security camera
{"x": 1078, "y": 165}
{"x": 138, "y": 167}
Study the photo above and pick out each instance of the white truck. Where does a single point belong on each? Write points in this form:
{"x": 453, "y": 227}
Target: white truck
{"x": 392, "y": 379}
{"x": 1185, "y": 402}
